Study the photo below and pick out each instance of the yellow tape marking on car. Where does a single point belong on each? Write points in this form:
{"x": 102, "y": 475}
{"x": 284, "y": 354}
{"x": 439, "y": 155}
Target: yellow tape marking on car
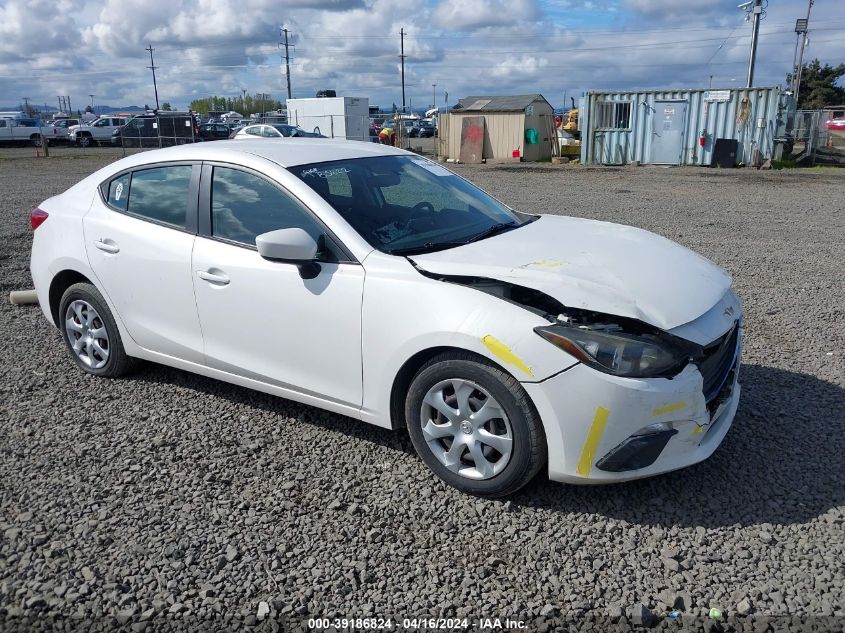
{"x": 675, "y": 406}
{"x": 502, "y": 351}
{"x": 698, "y": 430}
{"x": 543, "y": 262}
{"x": 588, "y": 453}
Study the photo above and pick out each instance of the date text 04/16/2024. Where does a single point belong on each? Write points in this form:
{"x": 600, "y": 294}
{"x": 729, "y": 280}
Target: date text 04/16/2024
{"x": 414, "y": 624}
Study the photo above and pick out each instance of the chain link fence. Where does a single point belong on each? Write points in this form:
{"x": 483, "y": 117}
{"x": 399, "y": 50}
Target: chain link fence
{"x": 810, "y": 142}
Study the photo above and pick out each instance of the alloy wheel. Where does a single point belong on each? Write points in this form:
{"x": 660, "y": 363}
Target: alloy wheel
{"x": 87, "y": 334}
{"x": 466, "y": 429}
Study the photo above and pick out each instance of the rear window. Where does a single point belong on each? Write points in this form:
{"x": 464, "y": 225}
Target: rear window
{"x": 161, "y": 194}
{"x": 119, "y": 192}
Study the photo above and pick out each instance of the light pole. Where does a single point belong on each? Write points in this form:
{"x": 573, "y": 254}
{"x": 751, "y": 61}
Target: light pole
{"x": 434, "y": 96}
{"x": 755, "y": 8}
{"x": 92, "y": 102}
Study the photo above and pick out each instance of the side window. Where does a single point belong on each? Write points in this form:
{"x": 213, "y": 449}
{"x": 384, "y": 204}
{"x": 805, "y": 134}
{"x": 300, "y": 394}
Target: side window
{"x": 161, "y": 194}
{"x": 119, "y": 192}
{"x": 2, "y": 122}
{"x": 269, "y": 132}
{"x": 254, "y": 131}
{"x": 244, "y": 206}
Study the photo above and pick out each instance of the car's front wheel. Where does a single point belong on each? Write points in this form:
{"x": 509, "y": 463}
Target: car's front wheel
{"x": 473, "y": 424}
{"x": 91, "y": 334}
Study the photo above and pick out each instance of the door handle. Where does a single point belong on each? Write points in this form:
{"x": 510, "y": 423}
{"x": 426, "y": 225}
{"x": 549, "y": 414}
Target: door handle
{"x": 107, "y": 246}
{"x": 213, "y": 278}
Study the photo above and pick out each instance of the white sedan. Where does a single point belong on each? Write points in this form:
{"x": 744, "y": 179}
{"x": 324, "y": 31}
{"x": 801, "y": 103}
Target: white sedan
{"x": 374, "y": 283}
{"x": 273, "y": 130}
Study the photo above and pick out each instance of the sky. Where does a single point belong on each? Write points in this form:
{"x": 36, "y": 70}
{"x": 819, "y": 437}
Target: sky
{"x": 558, "y": 48}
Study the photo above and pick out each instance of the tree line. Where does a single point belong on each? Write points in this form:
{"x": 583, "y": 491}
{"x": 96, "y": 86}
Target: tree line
{"x": 819, "y": 87}
{"x": 247, "y": 105}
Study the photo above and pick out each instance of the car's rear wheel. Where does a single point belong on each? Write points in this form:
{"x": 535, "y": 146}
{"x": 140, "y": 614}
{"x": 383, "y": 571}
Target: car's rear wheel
{"x": 474, "y": 426}
{"x": 84, "y": 140}
{"x": 91, "y": 334}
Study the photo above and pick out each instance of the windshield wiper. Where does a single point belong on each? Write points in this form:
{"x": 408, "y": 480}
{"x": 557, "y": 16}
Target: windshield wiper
{"x": 501, "y": 227}
{"x": 428, "y": 247}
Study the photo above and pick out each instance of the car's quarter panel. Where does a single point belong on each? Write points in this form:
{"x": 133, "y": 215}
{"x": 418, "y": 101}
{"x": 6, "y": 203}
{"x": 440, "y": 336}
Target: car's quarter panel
{"x": 405, "y": 312}
{"x": 58, "y": 244}
{"x": 147, "y": 279}
{"x": 267, "y": 323}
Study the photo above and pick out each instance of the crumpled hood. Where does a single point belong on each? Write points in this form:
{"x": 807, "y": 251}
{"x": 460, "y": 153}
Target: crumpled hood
{"x": 598, "y": 266}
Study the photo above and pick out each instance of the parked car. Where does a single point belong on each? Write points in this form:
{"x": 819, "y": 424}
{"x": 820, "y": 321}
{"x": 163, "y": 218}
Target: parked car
{"x": 426, "y": 129}
{"x": 98, "y": 131}
{"x": 157, "y": 129}
{"x": 215, "y": 131}
{"x": 61, "y": 129}
{"x": 18, "y": 130}
{"x": 374, "y": 283}
{"x": 836, "y": 125}
{"x": 274, "y": 130}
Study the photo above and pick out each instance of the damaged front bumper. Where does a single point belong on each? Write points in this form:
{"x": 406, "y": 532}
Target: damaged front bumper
{"x": 602, "y": 428}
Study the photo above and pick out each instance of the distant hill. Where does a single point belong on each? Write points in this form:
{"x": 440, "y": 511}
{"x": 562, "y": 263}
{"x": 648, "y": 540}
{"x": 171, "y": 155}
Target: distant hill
{"x": 98, "y": 109}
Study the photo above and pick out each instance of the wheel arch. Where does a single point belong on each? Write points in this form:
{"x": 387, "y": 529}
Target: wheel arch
{"x": 61, "y": 282}
{"x": 409, "y": 369}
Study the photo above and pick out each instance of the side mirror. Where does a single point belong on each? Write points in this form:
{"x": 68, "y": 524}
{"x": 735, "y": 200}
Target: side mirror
{"x": 293, "y": 246}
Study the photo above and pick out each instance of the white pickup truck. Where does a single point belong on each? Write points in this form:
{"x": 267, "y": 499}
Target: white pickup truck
{"x": 98, "y": 131}
{"x": 17, "y": 130}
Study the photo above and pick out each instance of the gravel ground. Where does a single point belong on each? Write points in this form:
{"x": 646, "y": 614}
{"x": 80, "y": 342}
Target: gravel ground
{"x": 167, "y": 500}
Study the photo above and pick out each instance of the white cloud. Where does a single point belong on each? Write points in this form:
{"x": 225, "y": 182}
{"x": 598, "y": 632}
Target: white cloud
{"x": 206, "y": 47}
{"x": 474, "y": 14}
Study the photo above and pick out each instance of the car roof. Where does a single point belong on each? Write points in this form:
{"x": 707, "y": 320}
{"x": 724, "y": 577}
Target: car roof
{"x": 288, "y": 152}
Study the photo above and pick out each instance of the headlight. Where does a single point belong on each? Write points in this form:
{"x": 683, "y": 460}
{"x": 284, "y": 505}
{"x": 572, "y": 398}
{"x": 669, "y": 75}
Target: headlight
{"x": 617, "y": 353}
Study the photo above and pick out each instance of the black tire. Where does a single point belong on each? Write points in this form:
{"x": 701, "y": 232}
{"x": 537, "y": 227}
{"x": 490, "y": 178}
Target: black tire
{"x": 529, "y": 442}
{"x": 35, "y": 139}
{"x": 84, "y": 140}
{"x": 118, "y": 363}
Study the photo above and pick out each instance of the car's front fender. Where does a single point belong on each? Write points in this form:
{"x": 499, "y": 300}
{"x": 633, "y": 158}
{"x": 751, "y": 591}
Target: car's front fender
{"x": 406, "y": 313}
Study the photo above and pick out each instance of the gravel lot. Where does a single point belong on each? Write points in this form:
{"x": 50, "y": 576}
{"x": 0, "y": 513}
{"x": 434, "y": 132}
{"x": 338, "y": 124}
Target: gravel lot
{"x": 166, "y": 499}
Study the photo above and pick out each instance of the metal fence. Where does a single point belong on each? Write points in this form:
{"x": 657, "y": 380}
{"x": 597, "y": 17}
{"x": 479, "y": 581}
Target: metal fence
{"x": 809, "y": 141}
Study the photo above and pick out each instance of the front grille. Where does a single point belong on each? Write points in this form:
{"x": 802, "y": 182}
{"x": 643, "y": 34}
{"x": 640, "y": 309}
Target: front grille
{"x": 719, "y": 360}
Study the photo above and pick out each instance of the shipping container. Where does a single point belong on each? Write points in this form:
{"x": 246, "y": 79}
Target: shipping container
{"x": 682, "y": 127}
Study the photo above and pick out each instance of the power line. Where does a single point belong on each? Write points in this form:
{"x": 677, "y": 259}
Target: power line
{"x": 153, "y": 68}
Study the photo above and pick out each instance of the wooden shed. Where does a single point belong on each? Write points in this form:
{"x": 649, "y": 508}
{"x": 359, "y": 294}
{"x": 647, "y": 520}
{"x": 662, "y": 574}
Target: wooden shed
{"x": 511, "y": 123}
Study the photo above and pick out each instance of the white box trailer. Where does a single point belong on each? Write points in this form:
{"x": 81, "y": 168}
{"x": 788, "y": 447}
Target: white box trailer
{"x": 335, "y": 117}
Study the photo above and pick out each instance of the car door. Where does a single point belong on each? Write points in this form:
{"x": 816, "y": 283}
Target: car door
{"x": 260, "y": 319}
{"x": 139, "y": 234}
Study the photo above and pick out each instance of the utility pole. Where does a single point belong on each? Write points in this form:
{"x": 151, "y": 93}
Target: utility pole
{"x": 434, "y": 96}
{"x": 402, "y": 57}
{"x": 26, "y": 105}
{"x": 92, "y": 102}
{"x": 755, "y": 7}
{"x": 287, "y": 58}
{"x": 153, "y": 68}
{"x": 801, "y": 28}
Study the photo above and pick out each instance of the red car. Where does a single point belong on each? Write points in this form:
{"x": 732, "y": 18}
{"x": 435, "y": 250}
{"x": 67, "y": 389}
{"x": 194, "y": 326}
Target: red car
{"x": 836, "y": 124}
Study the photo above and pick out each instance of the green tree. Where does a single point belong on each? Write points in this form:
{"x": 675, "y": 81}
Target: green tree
{"x": 166, "y": 106}
{"x": 818, "y": 86}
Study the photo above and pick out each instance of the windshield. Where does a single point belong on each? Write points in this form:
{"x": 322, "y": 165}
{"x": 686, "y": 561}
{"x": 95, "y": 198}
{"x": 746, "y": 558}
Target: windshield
{"x": 407, "y": 204}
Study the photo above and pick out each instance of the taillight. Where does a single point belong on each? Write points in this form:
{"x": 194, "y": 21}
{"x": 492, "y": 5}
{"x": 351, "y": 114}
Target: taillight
{"x": 37, "y": 217}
